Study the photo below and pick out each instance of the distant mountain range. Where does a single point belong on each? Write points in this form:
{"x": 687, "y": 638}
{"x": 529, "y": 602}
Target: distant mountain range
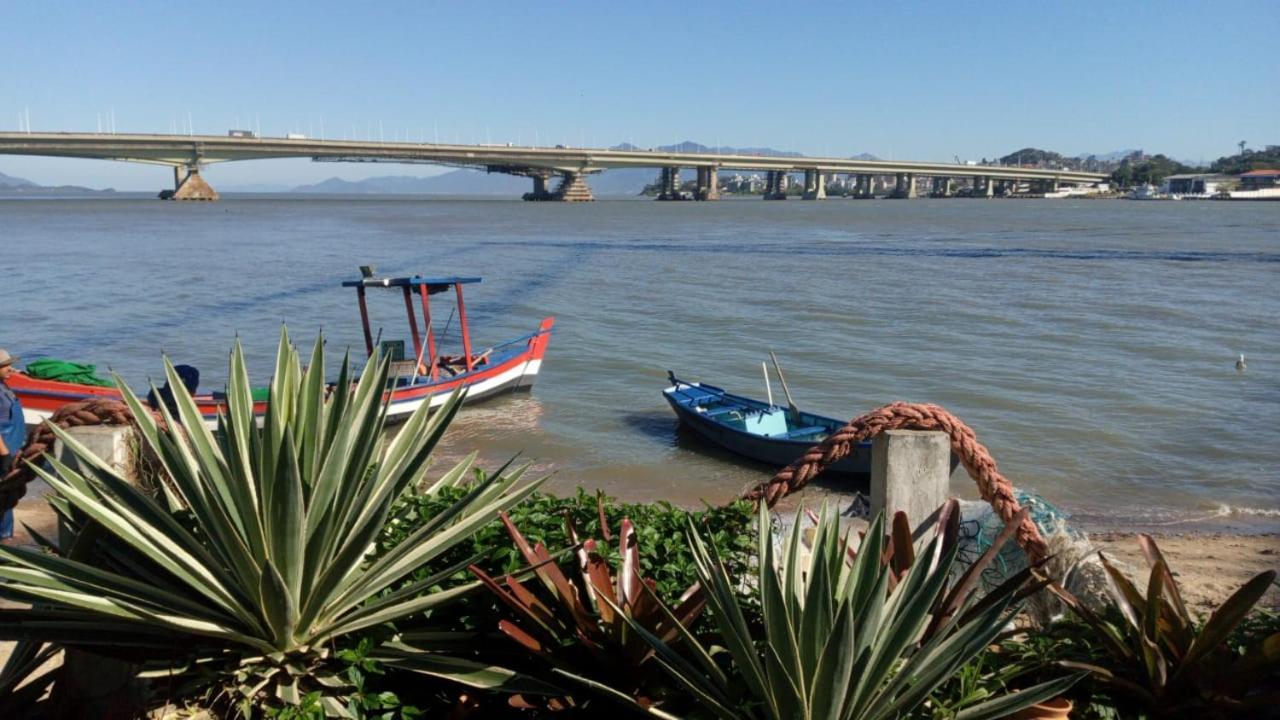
{"x": 10, "y": 185}
{"x": 617, "y": 182}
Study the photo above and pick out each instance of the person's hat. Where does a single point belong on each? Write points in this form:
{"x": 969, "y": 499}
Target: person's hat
{"x": 6, "y": 358}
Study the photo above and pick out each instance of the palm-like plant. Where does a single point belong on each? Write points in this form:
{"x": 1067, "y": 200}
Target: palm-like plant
{"x": 1159, "y": 656}
{"x": 255, "y": 559}
{"x": 841, "y": 638}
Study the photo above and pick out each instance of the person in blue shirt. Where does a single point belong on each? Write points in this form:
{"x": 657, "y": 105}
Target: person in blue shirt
{"x": 13, "y": 434}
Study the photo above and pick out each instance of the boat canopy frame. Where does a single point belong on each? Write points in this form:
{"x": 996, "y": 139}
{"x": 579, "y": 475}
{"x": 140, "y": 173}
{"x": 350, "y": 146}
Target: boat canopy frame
{"x": 424, "y": 288}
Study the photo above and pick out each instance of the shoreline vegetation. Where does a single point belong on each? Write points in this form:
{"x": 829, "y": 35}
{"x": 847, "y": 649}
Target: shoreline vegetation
{"x": 311, "y": 566}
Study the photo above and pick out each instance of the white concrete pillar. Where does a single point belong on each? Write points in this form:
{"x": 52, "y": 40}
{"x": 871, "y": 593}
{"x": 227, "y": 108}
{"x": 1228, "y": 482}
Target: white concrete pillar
{"x": 911, "y": 472}
{"x": 90, "y": 685}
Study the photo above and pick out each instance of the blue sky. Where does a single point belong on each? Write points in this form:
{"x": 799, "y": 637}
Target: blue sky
{"x": 924, "y": 80}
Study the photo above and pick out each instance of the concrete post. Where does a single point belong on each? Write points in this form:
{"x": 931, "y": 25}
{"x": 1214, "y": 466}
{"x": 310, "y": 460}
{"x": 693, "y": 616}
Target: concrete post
{"x": 910, "y": 471}
{"x": 868, "y": 186}
{"x": 900, "y": 185}
{"x": 112, "y": 443}
{"x": 89, "y": 685}
{"x": 911, "y": 186}
{"x": 948, "y": 187}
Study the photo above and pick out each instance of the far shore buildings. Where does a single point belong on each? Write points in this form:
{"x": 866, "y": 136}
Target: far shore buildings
{"x": 1194, "y": 185}
{"x": 1258, "y": 185}
{"x": 1260, "y": 180}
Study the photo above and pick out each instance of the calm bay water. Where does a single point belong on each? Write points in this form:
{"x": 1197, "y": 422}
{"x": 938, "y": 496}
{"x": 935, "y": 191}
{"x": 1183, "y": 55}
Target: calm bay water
{"x": 1090, "y": 344}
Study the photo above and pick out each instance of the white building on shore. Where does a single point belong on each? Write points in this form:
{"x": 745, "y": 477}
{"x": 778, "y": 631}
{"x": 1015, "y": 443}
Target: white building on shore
{"x": 1193, "y": 186}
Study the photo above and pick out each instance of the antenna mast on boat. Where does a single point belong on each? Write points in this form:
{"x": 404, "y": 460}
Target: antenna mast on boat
{"x": 768, "y": 387}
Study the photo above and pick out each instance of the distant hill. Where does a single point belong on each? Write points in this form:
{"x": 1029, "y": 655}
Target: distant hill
{"x": 10, "y": 185}
{"x": 457, "y": 182}
{"x": 618, "y": 182}
{"x": 1113, "y": 156}
{"x": 475, "y": 182}
{"x": 8, "y": 182}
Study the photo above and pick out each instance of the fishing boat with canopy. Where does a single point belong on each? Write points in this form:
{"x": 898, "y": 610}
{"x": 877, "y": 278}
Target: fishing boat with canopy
{"x": 427, "y": 376}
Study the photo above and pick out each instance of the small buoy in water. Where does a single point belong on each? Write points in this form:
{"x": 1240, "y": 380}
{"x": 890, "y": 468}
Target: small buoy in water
{"x": 1240, "y": 366}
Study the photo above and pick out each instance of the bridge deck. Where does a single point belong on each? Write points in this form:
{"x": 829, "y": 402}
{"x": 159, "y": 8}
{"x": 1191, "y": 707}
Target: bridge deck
{"x": 188, "y": 150}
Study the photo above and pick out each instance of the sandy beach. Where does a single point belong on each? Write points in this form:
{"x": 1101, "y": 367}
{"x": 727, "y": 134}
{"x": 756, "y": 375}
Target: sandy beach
{"x": 1208, "y": 566}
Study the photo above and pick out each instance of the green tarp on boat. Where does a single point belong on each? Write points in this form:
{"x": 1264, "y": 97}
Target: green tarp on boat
{"x": 66, "y": 371}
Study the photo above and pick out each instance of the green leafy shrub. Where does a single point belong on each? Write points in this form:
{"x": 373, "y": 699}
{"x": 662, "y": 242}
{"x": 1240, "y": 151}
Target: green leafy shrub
{"x": 660, "y": 529}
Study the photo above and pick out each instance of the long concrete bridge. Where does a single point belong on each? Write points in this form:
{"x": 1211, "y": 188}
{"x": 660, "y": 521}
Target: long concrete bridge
{"x": 188, "y": 154}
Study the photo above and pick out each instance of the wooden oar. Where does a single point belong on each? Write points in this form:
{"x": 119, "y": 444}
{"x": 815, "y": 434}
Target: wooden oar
{"x": 791, "y": 404}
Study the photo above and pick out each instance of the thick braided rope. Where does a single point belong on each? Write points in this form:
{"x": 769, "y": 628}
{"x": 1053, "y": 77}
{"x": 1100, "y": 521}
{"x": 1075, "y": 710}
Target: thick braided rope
{"x": 96, "y": 411}
{"x": 994, "y": 487}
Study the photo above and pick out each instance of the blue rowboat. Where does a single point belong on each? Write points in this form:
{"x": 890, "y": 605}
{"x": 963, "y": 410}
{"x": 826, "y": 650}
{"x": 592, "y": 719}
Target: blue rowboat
{"x": 756, "y": 429}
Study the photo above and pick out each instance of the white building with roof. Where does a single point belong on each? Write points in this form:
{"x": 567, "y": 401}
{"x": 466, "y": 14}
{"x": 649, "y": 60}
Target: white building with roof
{"x": 1193, "y": 185}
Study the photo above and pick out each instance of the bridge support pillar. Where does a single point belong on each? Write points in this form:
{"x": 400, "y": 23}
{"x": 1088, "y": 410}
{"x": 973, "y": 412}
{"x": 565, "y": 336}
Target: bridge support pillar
{"x": 866, "y": 186}
{"x": 708, "y": 184}
{"x": 670, "y": 184}
{"x": 775, "y": 185}
{"x": 188, "y": 185}
{"x": 911, "y": 187}
{"x": 815, "y": 185}
{"x": 899, "y": 186}
{"x": 574, "y": 188}
{"x": 540, "y": 189}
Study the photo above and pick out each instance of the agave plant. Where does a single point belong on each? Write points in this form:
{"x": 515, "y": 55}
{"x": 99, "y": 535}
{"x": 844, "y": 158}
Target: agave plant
{"x": 580, "y": 623}
{"x": 24, "y": 679}
{"x": 838, "y": 641}
{"x": 255, "y": 560}
{"x": 1167, "y": 662}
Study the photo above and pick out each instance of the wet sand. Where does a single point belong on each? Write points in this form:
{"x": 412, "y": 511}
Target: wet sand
{"x": 1208, "y": 566}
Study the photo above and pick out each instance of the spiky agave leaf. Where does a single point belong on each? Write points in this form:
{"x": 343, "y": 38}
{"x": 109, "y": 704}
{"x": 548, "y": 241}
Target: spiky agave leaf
{"x": 838, "y": 641}
{"x": 262, "y": 549}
